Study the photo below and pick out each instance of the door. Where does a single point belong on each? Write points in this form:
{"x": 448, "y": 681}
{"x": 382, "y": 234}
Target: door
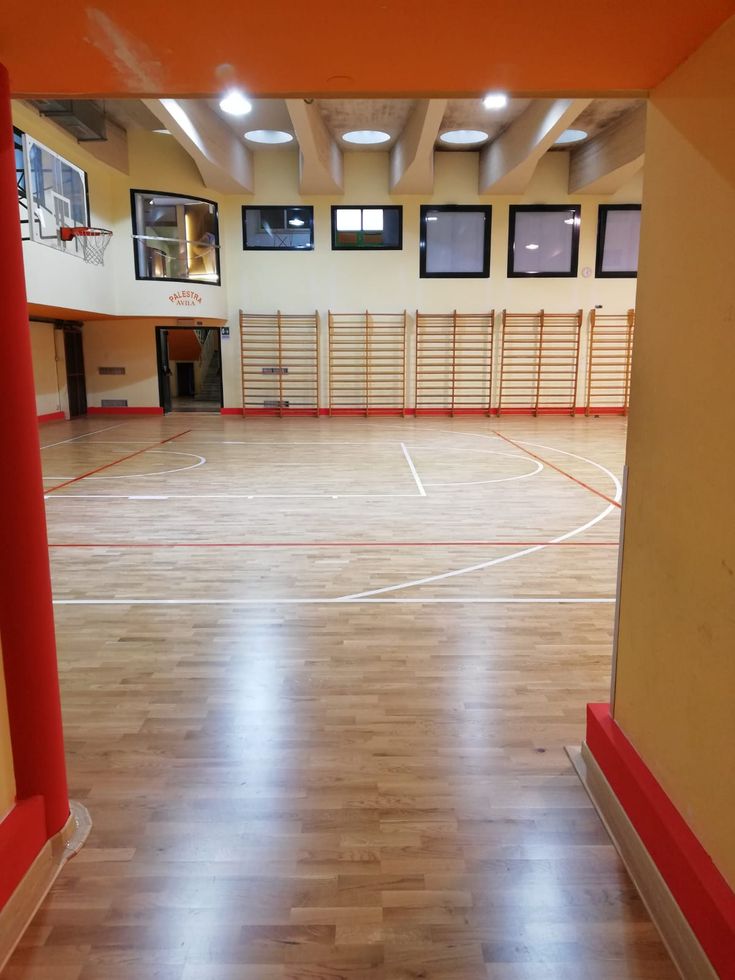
{"x": 164, "y": 368}
{"x": 76, "y": 384}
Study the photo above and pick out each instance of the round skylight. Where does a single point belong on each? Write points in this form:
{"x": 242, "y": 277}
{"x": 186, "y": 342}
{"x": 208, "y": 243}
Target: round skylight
{"x": 234, "y": 103}
{"x": 269, "y": 136}
{"x": 463, "y": 137}
{"x": 571, "y": 136}
{"x": 365, "y": 137}
{"x": 495, "y": 100}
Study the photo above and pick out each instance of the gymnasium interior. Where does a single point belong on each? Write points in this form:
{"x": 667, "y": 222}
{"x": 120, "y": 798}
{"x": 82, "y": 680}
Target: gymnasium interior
{"x": 368, "y": 552}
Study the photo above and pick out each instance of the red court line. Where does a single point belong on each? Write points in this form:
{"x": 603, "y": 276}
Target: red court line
{"x": 122, "y": 459}
{"x": 559, "y": 470}
{"x": 337, "y": 544}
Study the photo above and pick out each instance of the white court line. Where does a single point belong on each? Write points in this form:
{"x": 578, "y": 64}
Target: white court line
{"x": 84, "y": 436}
{"x": 131, "y": 476}
{"x": 502, "y": 479}
{"x": 474, "y": 600}
{"x": 416, "y": 477}
{"x": 226, "y": 496}
{"x": 516, "y": 554}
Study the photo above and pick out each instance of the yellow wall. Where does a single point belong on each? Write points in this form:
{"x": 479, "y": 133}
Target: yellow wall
{"x": 7, "y": 777}
{"x": 44, "y": 346}
{"x": 675, "y": 691}
{"x": 121, "y": 343}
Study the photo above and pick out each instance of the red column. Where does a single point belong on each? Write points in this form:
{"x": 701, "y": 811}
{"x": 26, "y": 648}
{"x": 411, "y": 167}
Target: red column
{"x": 26, "y": 611}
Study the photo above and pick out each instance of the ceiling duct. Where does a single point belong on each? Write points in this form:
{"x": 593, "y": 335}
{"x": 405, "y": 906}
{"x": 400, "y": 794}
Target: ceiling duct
{"x": 85, "y": 120}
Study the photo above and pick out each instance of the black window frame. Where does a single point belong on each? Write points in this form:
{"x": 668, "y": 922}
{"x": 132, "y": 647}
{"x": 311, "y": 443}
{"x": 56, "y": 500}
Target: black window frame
{"x": 515, "y": 209}
{"x": 277, "y": 207}
{"x": 366, "y": 207}
{"x": 485, "y": 209}
{"x": 602, "y": 213}
{"x": 186, "y": 197}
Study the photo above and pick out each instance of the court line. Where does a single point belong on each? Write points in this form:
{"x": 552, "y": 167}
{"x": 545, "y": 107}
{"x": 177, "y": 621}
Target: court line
{"x": 504, "y": 558}
{"x": 115, "y": 462}
{"x": 502, "y": 479}
{"x": 416, "y": 477}
{"x": 84, "y": 436}
{"x": 155, "y": 452}
{"x": 331, "y": 544}
{"x": 224, "y": 496}
{"x": 558, "y": 469}
{"x": 473, "y": 600}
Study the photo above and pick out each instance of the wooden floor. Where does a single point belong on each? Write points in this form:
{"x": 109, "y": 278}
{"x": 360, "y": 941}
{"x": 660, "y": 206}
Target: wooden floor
{"x": 317, "y": 678}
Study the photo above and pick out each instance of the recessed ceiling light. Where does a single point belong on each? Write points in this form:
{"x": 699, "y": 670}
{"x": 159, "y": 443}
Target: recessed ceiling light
{"x": 271, "y": 136}
{"x": 495, "y": 100}
{"x": 463, "y": 137}
{"x": 571, "y": 136}
{"x": 366, "y": 136}
{"x": 234, "y": 103}
{"x": 296, "y": 222}
{"x": 532, "y": 246}
{"x": 432, "y": 217}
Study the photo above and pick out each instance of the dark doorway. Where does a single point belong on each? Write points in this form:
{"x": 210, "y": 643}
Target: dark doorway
{"x": 189, "y": 369}
{"x": 185, "y": 379}
{"x": 76, "y": 384}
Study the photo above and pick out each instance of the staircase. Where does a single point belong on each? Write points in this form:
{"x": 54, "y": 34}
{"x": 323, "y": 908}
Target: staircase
{"x": 210, "y": 389}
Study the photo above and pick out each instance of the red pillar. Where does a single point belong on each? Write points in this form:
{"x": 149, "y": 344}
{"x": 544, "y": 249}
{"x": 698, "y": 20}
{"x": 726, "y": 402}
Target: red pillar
{"x": 26, "y": 611}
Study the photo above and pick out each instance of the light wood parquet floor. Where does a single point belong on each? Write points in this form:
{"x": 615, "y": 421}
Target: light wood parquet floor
{"x": 288, "y": 784}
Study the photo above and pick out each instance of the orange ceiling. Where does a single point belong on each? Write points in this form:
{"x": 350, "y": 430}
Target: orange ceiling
{"x": 351, "y": 47}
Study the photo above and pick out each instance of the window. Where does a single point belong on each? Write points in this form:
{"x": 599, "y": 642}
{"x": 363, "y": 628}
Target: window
{"x": 367, "y": 227}
{"x": 543, "y": 240}
{"x": 618, "y": 231}
{"x": 52, "y": 193}
{"x": 176, "y": 237}
{"x": 455, "y": 241}
{"x": 279, "y": 228}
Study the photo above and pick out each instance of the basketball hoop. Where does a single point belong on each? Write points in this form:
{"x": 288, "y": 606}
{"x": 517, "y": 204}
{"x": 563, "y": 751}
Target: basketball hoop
{"x": 94, "y": 241}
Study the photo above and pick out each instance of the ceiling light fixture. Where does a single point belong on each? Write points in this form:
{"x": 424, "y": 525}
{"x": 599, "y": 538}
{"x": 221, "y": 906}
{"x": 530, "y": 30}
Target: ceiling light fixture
{"x": 532, "y": 246}
{"x": 268, "y": 136}
{"x": 234, "y": 103}
{"x": 296, "y": 222}
{"x": 366, "y": 137}
{"x": 463, "y": 137}
{"x": 571, "y": 136}
{"x": 495, "y": 100}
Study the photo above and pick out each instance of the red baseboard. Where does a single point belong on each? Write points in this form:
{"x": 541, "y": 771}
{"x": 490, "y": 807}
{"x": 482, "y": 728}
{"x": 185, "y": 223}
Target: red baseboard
{"x": 22, "y": 835}
{"x": 230, "y": 411}
{"x": 448, "y": 413}
{"x": 52, "y": 417}
{"x": 702, "y": 894}
{"x": 607, "y": 410}
{"x": 126, "y": 410}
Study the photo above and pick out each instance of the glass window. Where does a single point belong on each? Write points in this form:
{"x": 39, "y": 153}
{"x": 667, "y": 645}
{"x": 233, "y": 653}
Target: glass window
{"x": 455, "y": 241}
{"x": 543, "y": 240}
{"x": 278, "y": 227}
{"x": 176, "y": 237}
{"x": 618, "y": 233}
{"x": 58, "y": 193}
{"x": 367, "y": 227}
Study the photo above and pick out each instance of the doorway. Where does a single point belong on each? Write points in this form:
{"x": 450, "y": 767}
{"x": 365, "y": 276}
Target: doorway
{"x": 189, "y": 369}
{"x": 76, "y": 384}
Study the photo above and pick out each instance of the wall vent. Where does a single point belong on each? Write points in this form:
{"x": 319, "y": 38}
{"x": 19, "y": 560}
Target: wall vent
{"x": 274, "y": 370}
{"x": 84, "y": 119}
{"x": 275, "y": 403}
{"x": 114, "y": 403}
{"x": 111, "y": 370}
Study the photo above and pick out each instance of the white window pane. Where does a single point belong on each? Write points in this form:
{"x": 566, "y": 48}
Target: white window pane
{"x": 348, "y": 219}
{"x": 622, "y": 233}
{"x": 543, "y": 241}
{"x": 455, "y": 241}
{"x": 372, "y": 219}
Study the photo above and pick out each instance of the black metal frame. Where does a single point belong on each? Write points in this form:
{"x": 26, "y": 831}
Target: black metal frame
{"x": 485, "y": 209}
{"x": 572, "y": 273}
{"x": 186, "y": 197}
{"x": 367, "y": 207}
{"x": 277, "y": 248}
{"x": 602, "y": 213}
